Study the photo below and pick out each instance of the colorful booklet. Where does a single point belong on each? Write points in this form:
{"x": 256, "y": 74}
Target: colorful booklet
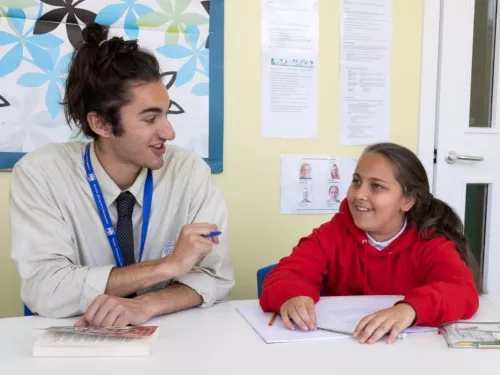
{"x": 475, "y": 335}
{"x": 68, "y": 341}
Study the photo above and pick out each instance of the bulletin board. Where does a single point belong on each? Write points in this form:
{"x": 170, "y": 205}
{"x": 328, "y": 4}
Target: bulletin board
{"x": 37, "y": 38}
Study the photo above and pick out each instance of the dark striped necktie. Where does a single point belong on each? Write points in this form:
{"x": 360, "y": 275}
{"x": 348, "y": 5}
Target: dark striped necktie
{"x": 124, "y": 229}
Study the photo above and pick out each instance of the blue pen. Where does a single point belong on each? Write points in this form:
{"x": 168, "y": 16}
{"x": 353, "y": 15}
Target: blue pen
{"x": 213, "y": 234}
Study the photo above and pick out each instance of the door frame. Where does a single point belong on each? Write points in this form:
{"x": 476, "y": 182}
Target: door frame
{"x": 429, "y": 75}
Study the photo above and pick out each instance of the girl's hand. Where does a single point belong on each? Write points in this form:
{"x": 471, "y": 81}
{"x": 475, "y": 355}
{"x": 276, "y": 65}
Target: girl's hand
{"x": 394, "y": 320}
{"x": 299, "y": 311}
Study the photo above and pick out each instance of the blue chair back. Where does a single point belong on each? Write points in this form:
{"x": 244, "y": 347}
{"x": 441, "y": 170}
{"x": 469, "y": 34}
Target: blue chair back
{"x": 27, "y": 311}
{"x": 261, "y": 274}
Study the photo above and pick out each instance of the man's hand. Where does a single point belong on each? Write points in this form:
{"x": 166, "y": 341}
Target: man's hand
{"x": 392, "y": 320}
{"x": 108, "y": 310}
{"x": 191, "y": 247}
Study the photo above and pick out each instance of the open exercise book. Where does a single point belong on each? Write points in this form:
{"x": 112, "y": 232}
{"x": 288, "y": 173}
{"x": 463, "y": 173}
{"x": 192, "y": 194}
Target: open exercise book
{"x": 68, "y": 341}
{"x": 337, "y": 317}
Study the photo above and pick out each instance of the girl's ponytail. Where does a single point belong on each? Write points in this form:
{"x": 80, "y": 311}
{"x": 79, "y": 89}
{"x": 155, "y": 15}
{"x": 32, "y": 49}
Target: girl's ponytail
{"x": 435, "y": 217}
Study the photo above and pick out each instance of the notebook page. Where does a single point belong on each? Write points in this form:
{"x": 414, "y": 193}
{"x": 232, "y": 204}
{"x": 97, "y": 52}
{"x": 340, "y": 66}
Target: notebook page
{"x": 278, "y": 333}
{"x": 344, "y": 313}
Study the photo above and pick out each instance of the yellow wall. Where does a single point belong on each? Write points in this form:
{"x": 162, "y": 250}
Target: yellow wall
{"x": 250, "y": 182}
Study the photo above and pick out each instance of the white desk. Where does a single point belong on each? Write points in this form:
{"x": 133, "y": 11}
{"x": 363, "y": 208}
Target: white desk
{"x": 218, "y": 341}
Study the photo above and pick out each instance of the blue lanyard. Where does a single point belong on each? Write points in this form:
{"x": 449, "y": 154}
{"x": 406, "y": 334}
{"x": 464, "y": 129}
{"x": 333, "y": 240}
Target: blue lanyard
{"x": 104, "y": 213}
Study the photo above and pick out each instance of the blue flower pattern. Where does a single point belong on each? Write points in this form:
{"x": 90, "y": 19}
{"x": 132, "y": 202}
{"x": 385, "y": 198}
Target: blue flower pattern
{"x": 43, "y": 51}
{"x": 55, "y": 77}
{"x": 36, "y": 45}
{"x": 195, "y": 52}
{"x": 112, "y": 14}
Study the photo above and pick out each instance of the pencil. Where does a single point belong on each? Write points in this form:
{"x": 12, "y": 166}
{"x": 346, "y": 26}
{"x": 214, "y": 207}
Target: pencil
{"x": 271, "y": 321}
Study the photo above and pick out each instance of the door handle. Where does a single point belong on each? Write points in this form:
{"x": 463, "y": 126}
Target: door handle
{"x": 451, "y": 157}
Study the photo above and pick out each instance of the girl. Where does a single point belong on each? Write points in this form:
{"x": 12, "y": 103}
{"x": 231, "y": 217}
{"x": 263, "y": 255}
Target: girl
{"x": 391, "y": 236}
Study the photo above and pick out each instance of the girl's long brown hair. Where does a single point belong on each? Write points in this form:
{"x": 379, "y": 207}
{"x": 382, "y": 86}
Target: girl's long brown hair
{"x": 432, "y": 216}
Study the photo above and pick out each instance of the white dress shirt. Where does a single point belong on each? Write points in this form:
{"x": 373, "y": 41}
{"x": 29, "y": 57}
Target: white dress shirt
{"x": 58, "y": 242}
{"x": 381, "y": 245}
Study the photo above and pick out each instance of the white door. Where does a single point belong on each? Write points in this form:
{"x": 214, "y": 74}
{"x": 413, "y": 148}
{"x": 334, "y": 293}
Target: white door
{"x": 467, "y": 163}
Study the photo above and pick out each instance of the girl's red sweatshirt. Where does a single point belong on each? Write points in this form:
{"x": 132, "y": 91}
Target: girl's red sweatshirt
{"x": 338, "y": 259}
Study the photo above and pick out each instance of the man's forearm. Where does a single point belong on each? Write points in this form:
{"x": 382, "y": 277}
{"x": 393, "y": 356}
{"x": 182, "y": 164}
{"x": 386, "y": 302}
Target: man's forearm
{"x": 128, "y": 280}
{"x": 175, "y": 297}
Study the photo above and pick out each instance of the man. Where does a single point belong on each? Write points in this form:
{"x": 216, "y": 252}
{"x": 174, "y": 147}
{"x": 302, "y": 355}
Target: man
{"x": 305, "y": 196}
{"x": 117, "y": 229}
